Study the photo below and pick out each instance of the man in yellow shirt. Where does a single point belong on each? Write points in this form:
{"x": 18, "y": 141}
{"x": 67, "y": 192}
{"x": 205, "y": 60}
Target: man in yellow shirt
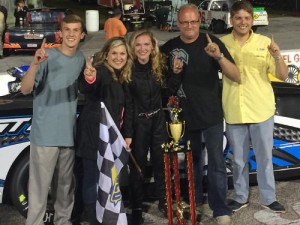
{"x": 249, "y": 106}
{"x": 114, "y": 27}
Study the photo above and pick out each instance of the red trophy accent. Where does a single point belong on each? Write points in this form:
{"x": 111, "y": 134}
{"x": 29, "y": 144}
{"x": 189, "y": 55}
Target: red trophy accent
{"x": 191, "y": 183}
{"x": 168, "y": 183}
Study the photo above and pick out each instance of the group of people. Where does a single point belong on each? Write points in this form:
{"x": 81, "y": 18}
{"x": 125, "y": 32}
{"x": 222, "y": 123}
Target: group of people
{"x": 128, "y": 76}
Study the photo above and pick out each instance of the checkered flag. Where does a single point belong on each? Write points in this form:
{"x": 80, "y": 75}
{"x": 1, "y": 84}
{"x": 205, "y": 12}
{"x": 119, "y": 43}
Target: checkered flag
{"x": 112, "y": 156}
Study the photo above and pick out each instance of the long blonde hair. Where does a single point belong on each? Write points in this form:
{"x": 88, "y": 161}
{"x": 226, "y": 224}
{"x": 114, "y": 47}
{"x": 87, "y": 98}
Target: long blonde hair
{"x": 100, "y": 58}
{"x": 158, "y": 60}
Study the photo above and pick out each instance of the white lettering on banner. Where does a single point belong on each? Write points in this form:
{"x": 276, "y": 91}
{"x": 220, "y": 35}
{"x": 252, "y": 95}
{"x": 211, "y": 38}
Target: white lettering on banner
{"x": 270, "y": 218}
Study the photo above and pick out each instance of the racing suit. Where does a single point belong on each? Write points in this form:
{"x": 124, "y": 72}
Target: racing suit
{"x": 144, "y": 122}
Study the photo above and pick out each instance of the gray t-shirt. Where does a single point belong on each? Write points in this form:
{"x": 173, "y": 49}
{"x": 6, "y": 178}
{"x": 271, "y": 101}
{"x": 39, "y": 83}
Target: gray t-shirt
{"x": 55, "y": 99}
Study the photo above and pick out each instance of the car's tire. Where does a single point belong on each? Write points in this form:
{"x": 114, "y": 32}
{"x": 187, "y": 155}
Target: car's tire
{"x": 128, "y": 26}
{"x": 18, "y": 191}
{"x": 293, "y": 74}
{"x": 19, "y": 185}
{"x": 218, "y": 27}
{"x": 7, "y": 52}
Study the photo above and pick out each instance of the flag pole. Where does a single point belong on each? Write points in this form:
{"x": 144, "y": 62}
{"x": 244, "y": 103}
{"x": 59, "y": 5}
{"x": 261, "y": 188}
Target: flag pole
{"x": 136, "y": 164}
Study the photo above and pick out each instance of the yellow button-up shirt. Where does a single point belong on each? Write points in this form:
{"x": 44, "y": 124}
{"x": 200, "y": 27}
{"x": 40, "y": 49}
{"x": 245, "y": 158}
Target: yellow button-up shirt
{"x": 251, "y": 101}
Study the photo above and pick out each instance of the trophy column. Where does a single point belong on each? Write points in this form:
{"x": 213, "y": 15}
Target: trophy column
{"x": 168, "y": 181}
{"x": 176, "y": 130}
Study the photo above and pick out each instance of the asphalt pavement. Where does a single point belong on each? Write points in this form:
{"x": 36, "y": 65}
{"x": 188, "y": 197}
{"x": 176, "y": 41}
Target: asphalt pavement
{"x": 286, "y": 32}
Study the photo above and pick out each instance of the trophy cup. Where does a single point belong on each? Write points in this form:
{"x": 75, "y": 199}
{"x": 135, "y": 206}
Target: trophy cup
{"x": 176, "y": 130}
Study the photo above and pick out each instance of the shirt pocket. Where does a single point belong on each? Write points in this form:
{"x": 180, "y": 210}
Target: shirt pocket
{"x": 259, "y": 60}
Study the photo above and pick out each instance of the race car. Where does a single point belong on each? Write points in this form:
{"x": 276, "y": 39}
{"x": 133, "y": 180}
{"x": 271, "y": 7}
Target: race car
{"x": 15, "y": 124}
{"x": 38, "y": 24}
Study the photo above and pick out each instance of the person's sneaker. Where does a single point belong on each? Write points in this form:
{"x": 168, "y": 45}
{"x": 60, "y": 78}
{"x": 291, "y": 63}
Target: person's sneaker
{"x": 236, "y": 206}
{"x": 137, "y": 218}
{"x": 224, "y": 220}
{"x": 275, "y": 206}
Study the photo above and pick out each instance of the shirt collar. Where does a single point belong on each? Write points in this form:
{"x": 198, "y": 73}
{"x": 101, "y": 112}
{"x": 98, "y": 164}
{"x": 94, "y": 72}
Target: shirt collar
{"x": 249, "y": 39}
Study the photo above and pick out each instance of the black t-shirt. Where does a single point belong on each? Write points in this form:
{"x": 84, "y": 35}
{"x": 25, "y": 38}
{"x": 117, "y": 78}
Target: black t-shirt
{"x": 199, "y": 86}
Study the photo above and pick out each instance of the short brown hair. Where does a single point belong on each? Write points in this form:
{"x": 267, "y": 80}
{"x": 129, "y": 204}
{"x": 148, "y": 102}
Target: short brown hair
{"x": 73, "y": 18}
{"x": 238, "y": 5}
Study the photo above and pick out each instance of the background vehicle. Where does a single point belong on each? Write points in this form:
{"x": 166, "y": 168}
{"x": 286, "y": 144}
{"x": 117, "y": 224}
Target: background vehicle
{"x": 216, "y": 17}
{"x": 38, "y": 24}
{"x": 134, "y": 14}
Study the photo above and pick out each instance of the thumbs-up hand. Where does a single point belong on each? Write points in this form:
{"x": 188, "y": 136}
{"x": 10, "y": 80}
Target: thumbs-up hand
{"x": 274, "y": 48}
{"x": 40, "y": 55}
{"x": 89, "y": 71}
{"x": 212, "y": 49}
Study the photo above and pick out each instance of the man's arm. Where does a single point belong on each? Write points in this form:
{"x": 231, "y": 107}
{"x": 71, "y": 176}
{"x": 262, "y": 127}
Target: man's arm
{"x": 281, "y": 69}
{"x": 28, "y": 80}
{"x": 228, "y": 68}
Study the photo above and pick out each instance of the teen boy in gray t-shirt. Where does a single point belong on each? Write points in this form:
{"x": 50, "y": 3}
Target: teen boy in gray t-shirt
{"x": 52, "y": 76}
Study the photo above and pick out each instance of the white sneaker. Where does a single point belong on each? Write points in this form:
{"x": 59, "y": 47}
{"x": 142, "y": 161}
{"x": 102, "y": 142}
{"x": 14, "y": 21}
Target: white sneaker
{"x": 224, "y": 220}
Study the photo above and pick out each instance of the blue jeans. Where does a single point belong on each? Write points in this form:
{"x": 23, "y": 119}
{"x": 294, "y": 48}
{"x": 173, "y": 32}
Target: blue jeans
{"x": 216, "y": 171}
{"x": 260, "y": 135}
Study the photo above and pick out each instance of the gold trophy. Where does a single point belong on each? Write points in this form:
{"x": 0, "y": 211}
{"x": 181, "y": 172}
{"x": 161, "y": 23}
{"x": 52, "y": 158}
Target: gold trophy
{"x": 175, "y": 128}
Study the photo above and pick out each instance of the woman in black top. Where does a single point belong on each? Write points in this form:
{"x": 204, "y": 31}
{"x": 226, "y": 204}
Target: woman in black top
{"x": 102, "y": 82}
{"x": 144, "y": 121}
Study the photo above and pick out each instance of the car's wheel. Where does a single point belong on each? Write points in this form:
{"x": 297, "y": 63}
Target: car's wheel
{"x": 293, "y": 74}
{"x": 7, "y": 52}
{"x": 19, "y": 191}
{"x": 128, "y": 26}
{"x": 218, "y": 27}
{"x": 19, "y": 182}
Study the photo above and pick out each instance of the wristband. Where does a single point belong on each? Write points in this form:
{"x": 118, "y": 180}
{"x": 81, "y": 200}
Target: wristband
{"x": 220, "y": 57}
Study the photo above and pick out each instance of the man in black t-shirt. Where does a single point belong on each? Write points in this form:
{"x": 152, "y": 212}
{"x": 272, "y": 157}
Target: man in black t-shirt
{"x": 195, "y": 60}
